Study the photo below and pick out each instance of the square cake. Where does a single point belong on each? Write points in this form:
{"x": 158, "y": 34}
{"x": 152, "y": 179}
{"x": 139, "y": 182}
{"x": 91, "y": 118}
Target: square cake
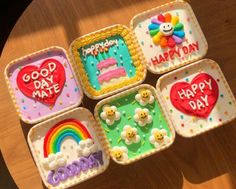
{"x": 169, "y": 36}
{"x": 43, "y": 84}
{"x": 108, "y": 61}
{"x": 68, "y": 149}
{"x": 133, "y": 124}
{"x": 197, "y": 98}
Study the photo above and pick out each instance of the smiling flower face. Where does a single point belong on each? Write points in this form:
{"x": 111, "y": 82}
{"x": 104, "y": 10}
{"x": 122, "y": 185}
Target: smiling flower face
{"x": 166, "y": 30}
{"x": 110, "y": 114}
{"x": 144, "y": 97}
{"x": 130, "y": 135}
{"x": 119, "y": 153}
{"x": 158, "y": 137}
{"x": 142, "y": 116}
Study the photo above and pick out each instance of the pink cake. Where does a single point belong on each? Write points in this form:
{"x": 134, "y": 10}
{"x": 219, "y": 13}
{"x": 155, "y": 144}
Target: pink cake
{"x": 109, "y": 72}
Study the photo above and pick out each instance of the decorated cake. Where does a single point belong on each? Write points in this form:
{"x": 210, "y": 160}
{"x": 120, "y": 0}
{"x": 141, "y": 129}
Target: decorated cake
{"x": 197, "y": 98}
{"x": 67, "y": 149}
{"x": 133, "y": 124}
{"x": 43, "y": 84}
{"x": 108, "y": 61}
{"x": 170, "y": 36}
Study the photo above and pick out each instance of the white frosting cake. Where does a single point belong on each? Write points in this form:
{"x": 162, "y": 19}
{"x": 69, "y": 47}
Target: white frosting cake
{"x": 197, "y": 98}
{"x": 169, "y": 36}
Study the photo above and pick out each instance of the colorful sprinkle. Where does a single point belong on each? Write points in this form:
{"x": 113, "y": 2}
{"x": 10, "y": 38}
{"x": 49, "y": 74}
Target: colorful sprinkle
{"x": 68, "y": 95}
{"x": 29, "y": 117}
{"x": 129, "y": 118}
{"x": 65, "y": 85}
{"x": 140, "y": 25}
{"x": 175, "y": 78}
{"x": 190, "y": 31}
{"x": 142, "y": 43}
{"x": 65, "y": 65}
{"x": 71, "y": 76}
{"x": 22, "y": 100}
{"x": 49, "y": 53}
{"x": 230, "y": 103}
{"x": 60, "y": 102}
{"x": 210, "y": 119}
{"x": 182, "y": 125}
{"x": 118, "y": 141}
{"x": 186, "y": 72}
{"x": 34, "y": 106}
{"x": 24, "y": 108}
{"x": 221, "y": 95}
{"x": 76, "y": 89}
{"x": 171, "y": 110}
{"x": 218, "y": 80}
{"x": 186, "y": 79}
{"x": 133, "y": 102}
{"x": 124, "y": 113}
{"x": 19, "y": 67}
{"x": 226, "y": 113}
{"x": 201, "y": 125}
{"x": 220, "y": 119}
{"x": 182, "y": 117}
{"x": 143, "y": 142}
{"x": 39, "y": 114}
{"x": 107, "y": 130}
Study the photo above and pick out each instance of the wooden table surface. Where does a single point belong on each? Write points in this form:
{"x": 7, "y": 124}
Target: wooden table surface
{"x": 204, "y": 162}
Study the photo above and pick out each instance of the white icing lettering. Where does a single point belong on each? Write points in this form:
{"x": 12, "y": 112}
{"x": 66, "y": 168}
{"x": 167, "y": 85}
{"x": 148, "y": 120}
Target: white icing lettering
{"x": 50, "y": 79}
{"x": 200, "y": 104}
{"x": 26, "y": 78}
{"x": 56, "y": 88}
{"x": 44, "y": 94}
{"x": 189, "y": 93}
{"x": 99, "y": 47}
{"x": 194, "y": 88}
{"x": 208, "y": 83}
{"x": 35, "y": 75}
{"x": 201, "y": 86}
{"x": 52, "y": 66}
{"x": 37, "y": 84}
{"x": 193, "y": 105}
{"x": 205, "y": 99}
{"x": 36, "y": 94}
{"x": 44, "y": 72}
{"x": 182, "y": 94}
{"x": 44, "y": 84}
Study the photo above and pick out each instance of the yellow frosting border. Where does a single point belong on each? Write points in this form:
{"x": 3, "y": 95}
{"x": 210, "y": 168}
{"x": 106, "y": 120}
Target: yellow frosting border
{"x": 135, "y": 52}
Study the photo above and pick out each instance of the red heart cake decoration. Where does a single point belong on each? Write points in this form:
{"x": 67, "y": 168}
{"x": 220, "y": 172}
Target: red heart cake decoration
{"x": 197, "y": 98}
{"x": 43, "y": 83}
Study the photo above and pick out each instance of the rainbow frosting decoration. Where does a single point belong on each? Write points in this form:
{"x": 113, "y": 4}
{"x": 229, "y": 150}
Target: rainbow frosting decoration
{"x": 56, "y": 135}
{"x": 166, "y": 30}
{"x": 109, "y": 72}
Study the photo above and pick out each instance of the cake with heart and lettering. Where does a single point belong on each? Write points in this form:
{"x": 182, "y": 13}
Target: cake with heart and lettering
{"x": 133, "y": 124}
{"x": 67, "y": 149}
{"x": 170, "y": 36}
{"x": 197, "y": 98}
{"x": 43, "y": 84}
{"x": 108, "y": 60}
